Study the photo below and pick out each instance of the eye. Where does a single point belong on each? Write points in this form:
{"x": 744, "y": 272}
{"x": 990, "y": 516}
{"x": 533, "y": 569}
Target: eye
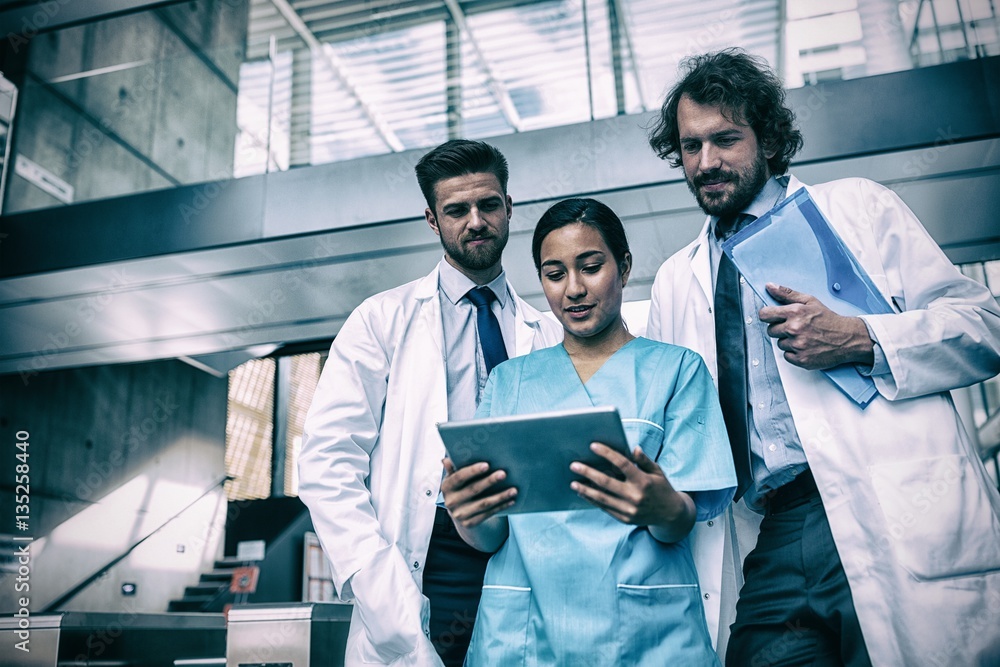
{"x": 592, "y": 268}
{"x": 490, "y": 205}
{"x": 727, "y": 141}
{"x": 690, "y": 146}
{"x": 554, "y": 276}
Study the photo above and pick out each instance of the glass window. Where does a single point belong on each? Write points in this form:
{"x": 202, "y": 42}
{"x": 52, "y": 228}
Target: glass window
{"x": 251, "y": 452}
{"x": 205, "y": 90}
{"x": 249, "y": 430}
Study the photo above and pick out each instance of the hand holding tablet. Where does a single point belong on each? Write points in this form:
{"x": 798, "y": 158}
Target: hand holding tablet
{"x": 535, "y": 453}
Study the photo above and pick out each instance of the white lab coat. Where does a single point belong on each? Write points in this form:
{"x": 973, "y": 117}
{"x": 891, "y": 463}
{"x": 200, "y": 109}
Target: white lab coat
{"x": 370, "y": 467}
{"x": 912, "y": 510}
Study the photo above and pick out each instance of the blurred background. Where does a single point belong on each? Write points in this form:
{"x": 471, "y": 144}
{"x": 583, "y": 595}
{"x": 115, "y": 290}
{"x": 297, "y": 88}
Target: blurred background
{"x": 196, "y": 194}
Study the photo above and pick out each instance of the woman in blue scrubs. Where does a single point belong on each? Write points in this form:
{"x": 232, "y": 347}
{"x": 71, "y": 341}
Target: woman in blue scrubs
{"x": 617, "y": 586}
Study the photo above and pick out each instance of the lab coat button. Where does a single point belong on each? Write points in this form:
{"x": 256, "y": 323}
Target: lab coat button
{"x": 742, "y": 281}
{"x": 756, "y": 363}
{"x": 711, "y": 523}
{"x": 707, "y": 596}
{"x": 771, "y": 448}
{"x": 416, "y": 565}
{"x": 748, "y": 320}
{"x": 427, "y": 492}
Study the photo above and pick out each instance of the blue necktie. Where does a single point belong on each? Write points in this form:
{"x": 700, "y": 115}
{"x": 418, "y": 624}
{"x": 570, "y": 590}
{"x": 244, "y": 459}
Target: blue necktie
{"x": 730, "y": 341}
{"x": 490, "y": 337}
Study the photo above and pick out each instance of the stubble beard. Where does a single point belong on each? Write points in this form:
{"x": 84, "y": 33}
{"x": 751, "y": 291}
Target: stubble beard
{"x": 476, "y": 259}
{"x": 727, "y": 203}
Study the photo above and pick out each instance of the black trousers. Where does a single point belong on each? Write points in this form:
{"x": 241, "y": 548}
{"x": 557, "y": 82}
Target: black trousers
{"x": 795, "y": 607}
{"x": 453, "y": 582}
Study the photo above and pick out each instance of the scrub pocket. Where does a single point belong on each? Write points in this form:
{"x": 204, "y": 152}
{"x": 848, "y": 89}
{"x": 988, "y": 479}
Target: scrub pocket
{"x": 645, "y": 434}
{"x": 500, "y": 636}
{"x": 663, "y": 624}
{"x": 939, "y": 518}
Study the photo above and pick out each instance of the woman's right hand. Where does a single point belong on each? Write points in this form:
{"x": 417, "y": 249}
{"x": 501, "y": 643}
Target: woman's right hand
{"x": 473, "y": 503}
{"x": 465, "y": 493}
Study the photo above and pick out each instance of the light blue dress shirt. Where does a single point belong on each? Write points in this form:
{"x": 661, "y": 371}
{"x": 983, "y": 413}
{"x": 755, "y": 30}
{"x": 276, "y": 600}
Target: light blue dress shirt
{"x": 466, "y": 365}
{"x": 776, "y": 454}
{"x": 465, "y": 368}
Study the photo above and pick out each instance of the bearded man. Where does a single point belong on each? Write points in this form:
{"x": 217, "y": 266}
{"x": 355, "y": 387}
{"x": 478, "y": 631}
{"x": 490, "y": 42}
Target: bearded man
{"x": 878, "y": 527}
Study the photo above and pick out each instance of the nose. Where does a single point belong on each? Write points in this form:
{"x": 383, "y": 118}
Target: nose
{"x": 575, "y": 287}
{"x": 475, "y": 219}
{"x": 708, "y": 158}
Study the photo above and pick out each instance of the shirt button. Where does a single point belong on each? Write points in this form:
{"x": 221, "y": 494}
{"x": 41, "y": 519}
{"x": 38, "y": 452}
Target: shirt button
{"x": 427, "y": 492}
{"x": 742, "y": 281}
{"x": 771, "y": 448}
{"x": 748, "y": 320}
{"x": 760, "y": 406}
{"x": 711, "y": 523}
{"x": 707, "y": 596}
{"x": 756, "y": 363}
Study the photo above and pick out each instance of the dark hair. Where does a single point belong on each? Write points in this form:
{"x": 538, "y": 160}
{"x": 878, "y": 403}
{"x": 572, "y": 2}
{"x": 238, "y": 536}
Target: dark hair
{"x": 457, "y": 158}
{"x": 746, "y": 90}
{"x": 588, "y": 211}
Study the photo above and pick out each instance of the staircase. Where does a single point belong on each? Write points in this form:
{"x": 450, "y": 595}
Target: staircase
{"x": 212, "y": 590}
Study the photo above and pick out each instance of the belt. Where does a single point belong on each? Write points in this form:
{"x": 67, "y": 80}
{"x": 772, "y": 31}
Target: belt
{"x": 793, "y": 493}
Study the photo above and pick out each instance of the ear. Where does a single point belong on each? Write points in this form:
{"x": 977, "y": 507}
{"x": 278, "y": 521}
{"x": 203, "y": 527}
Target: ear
{"x": 769, "y": 151}
{"x": 626, "y": 268}
{"x": 432, "y": 221}
{"x": 510, "y": 207}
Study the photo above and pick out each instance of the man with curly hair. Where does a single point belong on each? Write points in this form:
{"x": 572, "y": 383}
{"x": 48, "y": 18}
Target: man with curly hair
{"x": 872, "y": 534}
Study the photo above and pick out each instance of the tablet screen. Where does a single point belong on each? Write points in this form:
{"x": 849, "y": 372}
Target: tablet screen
{"x": 536, "y": 451}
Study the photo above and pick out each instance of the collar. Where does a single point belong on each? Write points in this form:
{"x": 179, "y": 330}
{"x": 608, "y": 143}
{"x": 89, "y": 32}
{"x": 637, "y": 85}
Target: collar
{"x": 455, "y": 284}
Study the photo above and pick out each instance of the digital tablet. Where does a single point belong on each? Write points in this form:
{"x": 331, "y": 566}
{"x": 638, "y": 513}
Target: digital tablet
{"x": 536, "y": 451}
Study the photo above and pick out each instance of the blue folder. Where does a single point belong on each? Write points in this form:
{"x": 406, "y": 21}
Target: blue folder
{"x": 794, "y": 245}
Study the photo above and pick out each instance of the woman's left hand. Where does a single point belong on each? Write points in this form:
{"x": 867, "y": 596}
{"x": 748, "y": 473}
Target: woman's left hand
{"x": 644, "y": 497}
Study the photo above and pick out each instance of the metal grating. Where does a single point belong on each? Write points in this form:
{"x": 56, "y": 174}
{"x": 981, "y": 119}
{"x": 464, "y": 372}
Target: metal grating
{"x": 249, "y": 430}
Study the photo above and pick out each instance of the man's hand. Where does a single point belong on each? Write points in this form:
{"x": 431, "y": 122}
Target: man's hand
{"x": 466, "y": 493}
{"x": 813, "y": 336}
{"x": 643, "y": 497}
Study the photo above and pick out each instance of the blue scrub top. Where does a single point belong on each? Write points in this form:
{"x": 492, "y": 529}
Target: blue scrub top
{"x": 580, "y": 587}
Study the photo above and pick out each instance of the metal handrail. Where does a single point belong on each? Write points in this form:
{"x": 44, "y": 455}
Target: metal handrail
{"x": 75, "y": 590}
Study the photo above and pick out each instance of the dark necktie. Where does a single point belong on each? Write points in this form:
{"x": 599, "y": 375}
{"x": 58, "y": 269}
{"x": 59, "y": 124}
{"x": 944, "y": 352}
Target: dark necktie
{"x": 730, "y": 343}
{"x": 490, "y": 337}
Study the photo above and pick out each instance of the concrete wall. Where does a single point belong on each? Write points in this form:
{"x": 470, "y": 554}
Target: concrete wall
{"x": 167, "y": 117}
{"x": 114, "y": 452}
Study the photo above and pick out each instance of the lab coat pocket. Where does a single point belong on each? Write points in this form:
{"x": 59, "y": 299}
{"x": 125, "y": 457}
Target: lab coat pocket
{"x": 645, "y": 434}
{"x": 662, "y": 624}
{"x": 940, "y": 520}
{"x": 500, "y": 635}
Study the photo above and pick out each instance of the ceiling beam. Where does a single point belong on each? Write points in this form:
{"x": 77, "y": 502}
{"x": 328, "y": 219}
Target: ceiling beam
{"x": 325, "y": 51}
{"x": 627, "y": 36}
{"x": 495, "y": 86}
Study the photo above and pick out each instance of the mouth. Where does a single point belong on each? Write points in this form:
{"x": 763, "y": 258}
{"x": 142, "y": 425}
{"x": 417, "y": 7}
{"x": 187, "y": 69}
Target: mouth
{"x": 479, "y": 241}
{"x": 714, "y": 183}
{"x": 578, "y": 312}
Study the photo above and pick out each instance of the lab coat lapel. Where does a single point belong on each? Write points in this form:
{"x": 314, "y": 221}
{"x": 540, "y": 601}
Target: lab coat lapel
{"x": 429, "y": 328}
{"x": 525, "y": 327}
{"x": 701, "y": 264}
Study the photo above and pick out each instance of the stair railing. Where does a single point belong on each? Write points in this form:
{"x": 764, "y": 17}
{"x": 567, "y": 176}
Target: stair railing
{"x": 78, "y": 588}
